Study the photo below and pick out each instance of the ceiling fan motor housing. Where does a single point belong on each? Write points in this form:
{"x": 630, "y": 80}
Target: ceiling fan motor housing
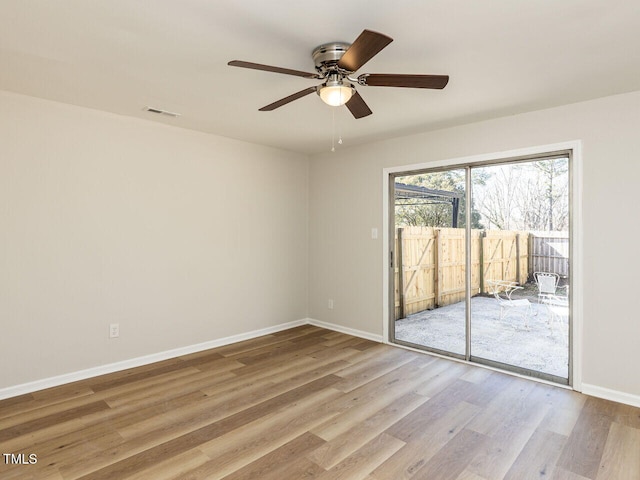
{"x": 327, "y": 56}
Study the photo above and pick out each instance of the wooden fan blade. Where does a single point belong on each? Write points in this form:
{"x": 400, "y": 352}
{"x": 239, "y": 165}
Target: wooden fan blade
{"x": 269, "y": 68}
{"x": 358, "y": 107}
{"x": 409, "y": 81}
{"x": 364, "y": 48}
{"x": 290, "y": 98}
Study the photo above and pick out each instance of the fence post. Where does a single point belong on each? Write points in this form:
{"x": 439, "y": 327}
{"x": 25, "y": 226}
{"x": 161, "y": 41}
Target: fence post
{"x": 530, "y": 269}
{"x": 482, "y": 235}
{"x": 518, "y": 257}
{"x": 400, "y": 264}
{"x": 436, "y": 270}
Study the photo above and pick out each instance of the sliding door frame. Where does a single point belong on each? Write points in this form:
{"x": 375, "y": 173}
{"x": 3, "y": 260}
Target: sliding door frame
{"x": 573, "y": 151}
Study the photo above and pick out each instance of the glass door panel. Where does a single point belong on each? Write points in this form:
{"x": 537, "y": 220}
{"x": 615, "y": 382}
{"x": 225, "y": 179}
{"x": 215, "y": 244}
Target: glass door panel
{"x": 520, "y": 307}
{"x": 430, "y": 263}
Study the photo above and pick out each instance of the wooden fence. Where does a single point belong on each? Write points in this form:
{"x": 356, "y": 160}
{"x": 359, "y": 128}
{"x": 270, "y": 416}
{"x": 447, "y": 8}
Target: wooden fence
{"x": 549, "y": 252}
{"x": 433, "y": 264}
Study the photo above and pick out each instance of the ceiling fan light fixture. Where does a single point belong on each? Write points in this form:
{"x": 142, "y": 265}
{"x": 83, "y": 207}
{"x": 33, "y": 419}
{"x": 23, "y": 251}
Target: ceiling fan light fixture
{"x": 336, "y": 93}
{"x": 335, "y": 62}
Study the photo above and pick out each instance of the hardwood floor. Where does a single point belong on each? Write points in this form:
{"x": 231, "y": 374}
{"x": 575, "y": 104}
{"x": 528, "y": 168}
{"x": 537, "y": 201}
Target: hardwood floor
{"x": 309, "y": 403}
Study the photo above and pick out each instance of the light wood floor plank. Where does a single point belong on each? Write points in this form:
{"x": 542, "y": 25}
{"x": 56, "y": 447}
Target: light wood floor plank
{"x": 174, "y": 468}
{"x": 562, "y": 474}
{"x": 250, "y": 442}
{"x": 26, "y": 403}
{"x": 441, "y": 374}
{"x": 564, "y": 413}
{"x": 365, "y": 459}
{"x": 476, "y": 375}
{"x": 362, "y": 373}
{"x": 618, "y": 460}
{"x": 34, "y": 425}
{"x": 627, "y": 415}
{"x": 453, "y": 458}
{"x": 341, "y": 446}
{"x": 287, "y": 461}
{"x": 468, "y": 475}
{"x": 583, "y": 452}
{"x": 538, "y": 458}
{"x": 506, "y": 403}
{"x": 355, "y": 412}
{"x": 507, "y": 439}
{"x": 427, "y": 441}
{"x": 422, "y": 418}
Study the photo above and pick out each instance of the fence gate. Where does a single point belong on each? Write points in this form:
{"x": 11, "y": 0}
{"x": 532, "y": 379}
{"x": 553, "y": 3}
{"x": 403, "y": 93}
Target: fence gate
{"x": 430, "y": 267}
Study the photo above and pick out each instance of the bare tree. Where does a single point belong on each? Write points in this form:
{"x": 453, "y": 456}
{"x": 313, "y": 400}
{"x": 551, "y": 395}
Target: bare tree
{"x": 554, "y": 191}
{"x": 530, "y": 196}
{"x": 499, "y": 202}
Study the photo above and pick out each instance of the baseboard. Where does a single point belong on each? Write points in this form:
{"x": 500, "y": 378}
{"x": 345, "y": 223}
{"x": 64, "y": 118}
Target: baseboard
{"x": 347, "y": 330}
{"x": 608, "y": 394}
{"x": 58, "y": 380}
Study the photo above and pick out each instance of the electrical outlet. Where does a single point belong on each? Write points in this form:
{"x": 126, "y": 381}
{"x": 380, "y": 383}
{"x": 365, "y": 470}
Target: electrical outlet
{"x": 114, "y": 330}
{"x": 330, "y": 304}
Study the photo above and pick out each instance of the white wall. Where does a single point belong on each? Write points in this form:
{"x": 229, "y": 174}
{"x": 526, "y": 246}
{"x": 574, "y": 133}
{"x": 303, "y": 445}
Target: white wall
{"x": 345, "y": 202}
{"x": 178, "y": 236}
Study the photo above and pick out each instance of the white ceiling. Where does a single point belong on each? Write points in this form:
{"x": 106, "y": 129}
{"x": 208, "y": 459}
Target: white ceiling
{"x": 503, "y": 57}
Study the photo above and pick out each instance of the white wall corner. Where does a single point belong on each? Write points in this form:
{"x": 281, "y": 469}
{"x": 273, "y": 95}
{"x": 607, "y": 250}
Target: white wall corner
{"x": 613, "y": 395}
{"x": 349, "y": 331}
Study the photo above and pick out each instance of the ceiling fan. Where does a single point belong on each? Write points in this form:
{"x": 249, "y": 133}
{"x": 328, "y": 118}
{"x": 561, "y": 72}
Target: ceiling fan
{"x": 335, "y": 64}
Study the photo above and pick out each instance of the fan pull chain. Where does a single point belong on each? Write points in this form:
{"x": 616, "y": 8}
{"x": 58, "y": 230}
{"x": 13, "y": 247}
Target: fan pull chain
{"x": 339, "y": 132}
{"x": 333, "y": 130}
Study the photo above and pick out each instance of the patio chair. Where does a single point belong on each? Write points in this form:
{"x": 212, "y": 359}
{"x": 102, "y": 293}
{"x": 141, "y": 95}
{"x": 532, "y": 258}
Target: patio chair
{"x": 557, "y": 305}
{"x": 558, "y": 308}
{"x": 547, "y": 285}
{"x": 502, "y": 291}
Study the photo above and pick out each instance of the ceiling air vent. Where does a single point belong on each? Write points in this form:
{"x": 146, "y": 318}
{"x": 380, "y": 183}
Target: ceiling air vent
{"x": 161, "y": 112}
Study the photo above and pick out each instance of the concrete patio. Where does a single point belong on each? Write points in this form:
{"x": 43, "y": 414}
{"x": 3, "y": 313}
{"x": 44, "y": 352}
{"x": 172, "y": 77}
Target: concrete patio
{"x": 542, "y": 347}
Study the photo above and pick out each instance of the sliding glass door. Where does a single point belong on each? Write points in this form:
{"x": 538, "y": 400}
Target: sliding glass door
{"x": 481, "y": 264}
